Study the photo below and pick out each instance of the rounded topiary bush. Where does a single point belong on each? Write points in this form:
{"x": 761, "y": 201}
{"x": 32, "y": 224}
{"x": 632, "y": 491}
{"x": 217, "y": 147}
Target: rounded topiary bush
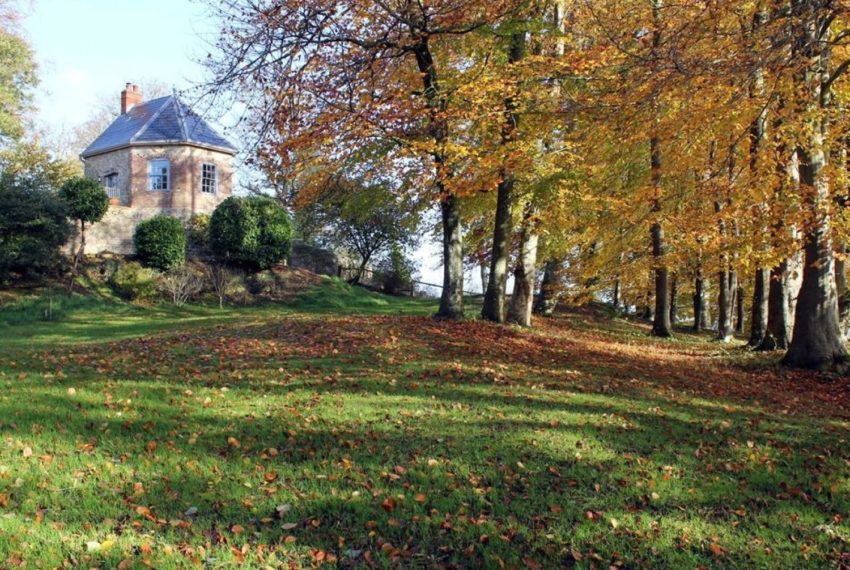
{"x": 85, "y": 199}
{"x": 253, "y": 233}
{"x": 161, "y": 242}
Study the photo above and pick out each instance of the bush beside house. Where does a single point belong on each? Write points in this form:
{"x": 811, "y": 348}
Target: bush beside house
{"x": 253, "y": 233}
{"x": 161, "y": 242}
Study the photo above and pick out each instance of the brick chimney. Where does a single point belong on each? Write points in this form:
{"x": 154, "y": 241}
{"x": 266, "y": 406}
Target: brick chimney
{"x": 130, "y": 97}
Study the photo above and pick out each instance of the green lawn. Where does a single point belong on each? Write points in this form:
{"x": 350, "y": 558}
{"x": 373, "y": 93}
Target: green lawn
{"x": 355, "y": 430}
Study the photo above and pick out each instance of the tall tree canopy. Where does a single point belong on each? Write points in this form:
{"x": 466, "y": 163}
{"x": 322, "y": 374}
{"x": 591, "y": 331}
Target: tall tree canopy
{"x": 17, "y": 74}
{"x": 636, "y": 148}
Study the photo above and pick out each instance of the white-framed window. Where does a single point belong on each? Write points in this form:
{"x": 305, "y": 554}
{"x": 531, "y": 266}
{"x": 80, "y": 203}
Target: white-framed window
{"x": 158, "y": 175}
{"x": 110, "y": 184}
{"x": 209, "y": 178}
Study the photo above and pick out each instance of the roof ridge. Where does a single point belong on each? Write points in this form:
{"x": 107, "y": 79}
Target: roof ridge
{"x": 178, "y": 106}
{"x": 147, "y": 124}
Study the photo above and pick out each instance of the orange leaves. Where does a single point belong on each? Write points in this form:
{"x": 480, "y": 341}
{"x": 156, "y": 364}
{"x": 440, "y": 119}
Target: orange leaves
{"x": 389, "y": 504}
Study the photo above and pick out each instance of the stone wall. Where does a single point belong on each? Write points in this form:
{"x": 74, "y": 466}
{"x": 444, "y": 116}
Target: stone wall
{"x": 115, "y": 232}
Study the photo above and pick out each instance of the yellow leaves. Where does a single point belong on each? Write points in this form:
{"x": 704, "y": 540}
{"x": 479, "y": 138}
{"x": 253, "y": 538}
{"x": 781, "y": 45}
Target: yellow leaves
{"x": 102, "y": 547}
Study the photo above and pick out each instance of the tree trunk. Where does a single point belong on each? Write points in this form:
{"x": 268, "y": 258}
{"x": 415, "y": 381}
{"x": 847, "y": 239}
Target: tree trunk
{"x": 551, "y": 288}
{"x": 358, "y": 276}
{"x": 699, "y": 303}
{"x": 739, "y": 310}
{"x": 778, "y": 313}
{"x": 841, "y": 289}
{"x": 483, "y": 268}
{"x": 525, "y": 274}
{"x": 727, "y": 287}
{"x": 674, "y": 294}
{"x": 758, "y": 315}
{"x": 451, "y": 301}
{"x": 647, "y": 308}
{"x": 616, "y": 294}
{"x": 817, "y": 342}
{"x": 494, "y": 297}
{"x": 661, "y": 323}
{"x": 78, "y": 256}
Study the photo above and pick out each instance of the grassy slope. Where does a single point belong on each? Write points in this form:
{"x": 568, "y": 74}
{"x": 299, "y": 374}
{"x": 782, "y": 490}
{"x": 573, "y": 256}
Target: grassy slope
{"x": 351, "y": 427}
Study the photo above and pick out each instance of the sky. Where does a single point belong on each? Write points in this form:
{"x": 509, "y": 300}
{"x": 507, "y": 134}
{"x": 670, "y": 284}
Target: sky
{"x": 89, "y": 49}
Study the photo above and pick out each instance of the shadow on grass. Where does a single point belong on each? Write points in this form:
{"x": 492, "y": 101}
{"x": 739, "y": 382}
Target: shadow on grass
{"x": 428, "y": 471}
{"x": 421, "y": 443}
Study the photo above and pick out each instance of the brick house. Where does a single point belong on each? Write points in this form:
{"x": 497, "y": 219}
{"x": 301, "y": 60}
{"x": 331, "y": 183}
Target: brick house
{"x": 157, "y": 157}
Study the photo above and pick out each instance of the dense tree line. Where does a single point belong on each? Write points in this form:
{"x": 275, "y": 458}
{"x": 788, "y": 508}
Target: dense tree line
{"x": 641, "y": 144}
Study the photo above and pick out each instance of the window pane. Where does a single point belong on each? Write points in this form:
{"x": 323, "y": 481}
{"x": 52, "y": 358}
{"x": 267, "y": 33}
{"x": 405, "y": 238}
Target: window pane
{"x": 158, "y": 174}
{"x": 208, "y": 178}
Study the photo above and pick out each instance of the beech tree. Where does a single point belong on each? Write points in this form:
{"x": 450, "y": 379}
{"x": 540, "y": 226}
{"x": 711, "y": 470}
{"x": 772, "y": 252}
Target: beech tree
{"x": 612, "y": 144}
{"x": 325, "y": 77}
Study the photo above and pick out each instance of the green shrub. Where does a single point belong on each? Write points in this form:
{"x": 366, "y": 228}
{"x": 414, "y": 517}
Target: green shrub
{"x": 253, "y": 233}
{"x": 397, "y": 273}
{"x": 161, "y": 242}
{"x": 134, "y": 282}
{"x": 33, "y": 226}
{"x": 85, "y": 199}
{"x": 198, "y": 232}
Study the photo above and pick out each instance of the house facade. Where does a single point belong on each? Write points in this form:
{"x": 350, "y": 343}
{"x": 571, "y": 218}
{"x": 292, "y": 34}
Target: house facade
{"x": 157, "y": 157}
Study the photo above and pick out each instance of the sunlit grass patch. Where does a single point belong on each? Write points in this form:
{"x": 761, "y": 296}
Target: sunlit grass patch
{"x": 275, "y": 436}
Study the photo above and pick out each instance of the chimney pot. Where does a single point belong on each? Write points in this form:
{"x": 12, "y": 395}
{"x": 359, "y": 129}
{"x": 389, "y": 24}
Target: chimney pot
{"x": 130, "y": 97}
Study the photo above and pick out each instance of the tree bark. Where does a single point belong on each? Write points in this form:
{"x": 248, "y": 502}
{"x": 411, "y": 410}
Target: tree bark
{"x": 661, "y": 323}
{"x": 699, "y": 303}
{"x": 727, "y": 286}
{"x": 739, "y": 310}
{"x": 647, "y": 308}
{"x": 451, "y": 301}
{"x": 525, "y": 274}
{"x": 841, "y": 289}
{"x": 551, "y": 288}
{"x": 817, "y": 342}
{"x": 674, "y": 294}
{"x": 494, "y": 297}
{"x": 778, "y": 333}
{"x": 758, "y": 315}
{"x": 616, "y": 294}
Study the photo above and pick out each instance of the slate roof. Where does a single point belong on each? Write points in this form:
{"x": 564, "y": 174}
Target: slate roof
{"x": 166, "y": 120}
